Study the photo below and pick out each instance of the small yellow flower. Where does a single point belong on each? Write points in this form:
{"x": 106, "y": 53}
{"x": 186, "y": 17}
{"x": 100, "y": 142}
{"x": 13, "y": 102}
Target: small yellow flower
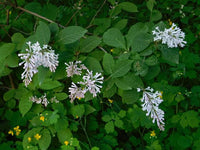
{"x": 11, "y": 132}
{"x": 66, "y": 142}
{"x": 16, "y": 128}
{"x": 42, "y": 118}
{"x": 18, "y": 132}
{"x": 111, "y": 101}
{"x": 170, "y": 22}
{"x": 37, "y": 136}
{"x": 29, "y": 139}
{"x": 112, "y": 50}
{"x": 153, "y": 134}
{"x": 79, "y": 98}
{"x": 76, "y": 116}
{"x": 179, "y": 93}
{"x": 180, "y": 53}
{"x": 161, "y": 94}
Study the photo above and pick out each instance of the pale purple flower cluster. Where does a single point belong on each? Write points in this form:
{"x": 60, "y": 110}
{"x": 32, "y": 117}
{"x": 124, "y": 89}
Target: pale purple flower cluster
{"x": 89, "y": 82}
{"x": 36, "y": 56}
{"x": 173, "y": 36}
{"x": 43, "y": 100}
{"x": 151, "y": 101}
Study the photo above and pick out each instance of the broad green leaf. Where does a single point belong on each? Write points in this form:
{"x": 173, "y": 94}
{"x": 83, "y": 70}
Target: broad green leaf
{"x": 119, "y": 123}
{"x": 121, "y": 24}
{"x": 190, "y": 118}
{"x": 153, "y": 71}
{"x": 6, "y": 50}
{"x": 64, "y": 135}
{"x": 43, "y": 33}
{"x": 108, "y": 63}
{"x": 34, "y": 7}
{"x": 134, "y": 31}
{"x": 93, "y": 64}
{"x": 9, "y": 94}
{"x": 150, "y": 4}
{"x": 71, "y": 34}
{"x": 111, "y": 140}
{"x": 156, "y": 15}
{"x": 12, "y": 60}
{"x": 128, "y": 6}
{"x": 109, "y": 127}
{"x": 45, "y": 140}
{"x": 18, "y": 39}
{"x": 61, "y": 96}
{"x": 50, "y": 11}
{"x": 129, "y": 81}
{"x": 122, "y": 113}
{"x": 121, "y": 68}
{"x": 25, "y": 103}
{"x": 170, "y": 55}
{"x": 151, "y": 61}
{"x": 43, "y": 73}
{"x": 141, "y": 41}
{"x": 90, "y": 43}
{"x": 154, "y": 146}
{"x": 103, "y": 24}
{"x": 130, "y": 97}
{"x": 106, "y": 118}
{"x": 78, "y": 110}
{"x": 61, "y": 124}
{"x": 50, "y": 84}
{"x": 110, "y": 92}
{"x": 113, "y": 37}
{"x": 89, "y": 109}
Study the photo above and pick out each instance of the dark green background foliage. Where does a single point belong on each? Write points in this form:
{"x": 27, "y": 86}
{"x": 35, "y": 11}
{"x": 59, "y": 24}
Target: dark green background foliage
{"x": 114, "y": 38}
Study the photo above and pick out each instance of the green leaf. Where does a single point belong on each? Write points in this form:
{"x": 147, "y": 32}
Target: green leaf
{"x": 43, "y": 73}
{"x": 128, "y": 6}
{"x": 113, "y": 37}
{"x": 130, "y": 97}
{"x": 71, "y": 34}
{"x": 61, "y": 96}
{"x": 141, "y": 41}
{"x": 18, "y": 39}
{"x": 136, "y": 29}
{"x": 50, "y": 84}
{"x": 121, "y": 24}
{"x": 50, "y": 11}
{"x": 170, "y": 55}
{"x": 110, "y": 92}
{"x": 64, "y": 135}
{"x": 156, "y": 15}
{"x": 121, "y": 68}
{"x": 25, "y": 103}
{"x": 6, "y": 50}
{"x": 152, "y": 72}
{"x": 108, "y": 63}
{"x": 12, "y": 60}
{"x": 190, "y": 118}
{"x": 78, "y": 110}
{"x": 89, "y": 109}
{"x": 109, "y": 127}
{"x": 90, "y": 43}
{"x": 61, "y": 124}
{"x": 150, "y": 4}
{"x": 43, "y": 33}
{"x": 119, "y": 123}
{"x": 151, "y": 61}
{"x": 93, "y": 64}
{"x": 45, "y": 140}
{"x": 9, "y": 94}
{"x": 140, "y": 68}
{"x": 106, "y": 118}
{"x": 122, "y": 83}
{"x": 122, "y": 113}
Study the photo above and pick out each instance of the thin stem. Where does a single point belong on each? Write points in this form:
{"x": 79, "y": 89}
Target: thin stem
{"x": 97, "y": 13}
{"x": 11, "y": 81}
{"x": 86, "y": 134}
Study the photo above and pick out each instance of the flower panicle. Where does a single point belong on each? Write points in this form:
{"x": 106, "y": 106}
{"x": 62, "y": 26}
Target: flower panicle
{"x": 150, "y": 103}
{"x": 173, "y": 36}
{"x": 36, "y": 56}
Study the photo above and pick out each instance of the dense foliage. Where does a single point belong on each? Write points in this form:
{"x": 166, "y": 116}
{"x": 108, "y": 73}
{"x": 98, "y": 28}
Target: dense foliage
{"x": 124, "y": 77}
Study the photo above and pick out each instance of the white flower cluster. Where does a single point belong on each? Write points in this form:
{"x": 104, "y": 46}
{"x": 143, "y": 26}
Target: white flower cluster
{"x": 43, "y": 100}
{"x": 89, "y": 82}
{"x": 173, "y": 36}
{"x": 151, "y": 101}
{"x": 37, "y": 56}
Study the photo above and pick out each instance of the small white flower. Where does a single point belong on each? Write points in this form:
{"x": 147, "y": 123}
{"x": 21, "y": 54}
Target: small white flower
{"x": 42, "y": 100}
{"x": 151, "y": 101}
{"x": 74, "y": 68}
{"x": 173, "y": 36}
{"x": 36, "y": 56}
{"x": 76, "y": 92}
{"x": 92, "y": 82}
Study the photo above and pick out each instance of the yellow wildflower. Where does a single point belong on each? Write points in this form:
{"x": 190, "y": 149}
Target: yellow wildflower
{"x": 17, "y": 130}
{"x": 161, "y": 94}
{"x": 42, "y": 118}
{"x": 180, "y": 53}
{"x": 29, "y": 139}
{"x": 11, "y": 132}
{"x": 170, "y": 22}
{"x": 111, "y": 101}
{"x": 153, "y": 134}
{"x": 37, "y": 136}
{"x": 112, "y": 50}
{"x": 76, "y": 116}
{"x": 79, "y": 98}
{"x": 66, "y": 142}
